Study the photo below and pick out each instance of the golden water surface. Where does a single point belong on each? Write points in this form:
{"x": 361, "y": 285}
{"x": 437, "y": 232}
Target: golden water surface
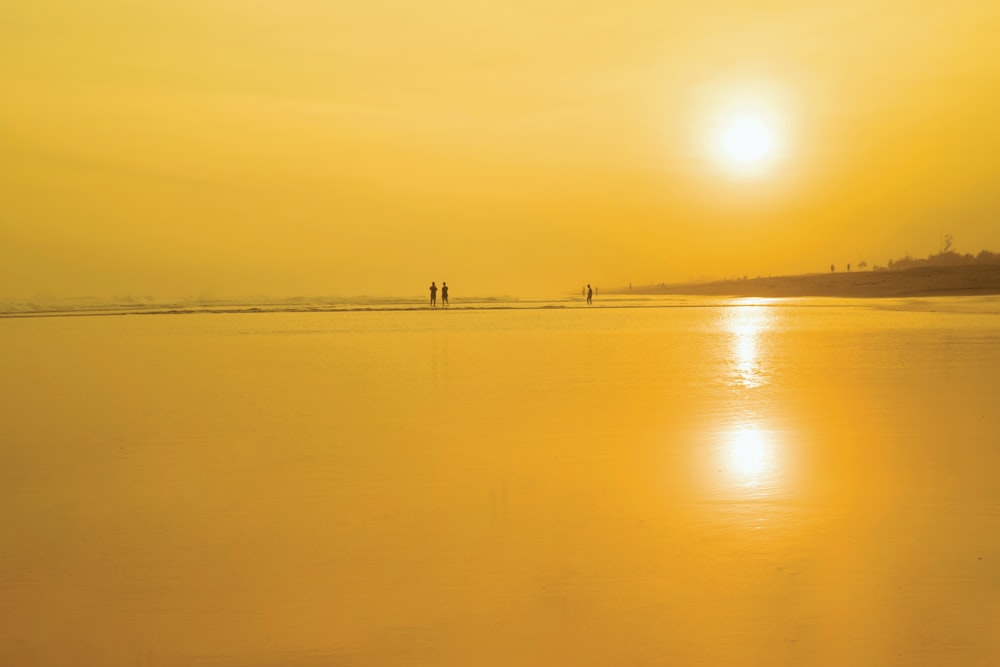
{"x": 745, "y": 483}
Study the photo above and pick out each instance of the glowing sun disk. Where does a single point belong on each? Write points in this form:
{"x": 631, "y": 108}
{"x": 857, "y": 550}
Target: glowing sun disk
{"x": 746, "y": 140}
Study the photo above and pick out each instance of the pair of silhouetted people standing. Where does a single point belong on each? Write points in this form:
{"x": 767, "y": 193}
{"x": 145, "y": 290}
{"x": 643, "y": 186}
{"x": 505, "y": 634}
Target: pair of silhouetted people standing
{"x": 434, "y": 293}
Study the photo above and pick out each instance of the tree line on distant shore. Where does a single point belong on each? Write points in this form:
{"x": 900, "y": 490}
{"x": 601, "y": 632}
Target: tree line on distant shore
{"x": 947, "y": 256}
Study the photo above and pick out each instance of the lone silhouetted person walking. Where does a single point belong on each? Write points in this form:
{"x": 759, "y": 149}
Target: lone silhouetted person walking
{"x": 434, "y": 294}
{"x": 590, "y": 295}
{"x": 444, "y": 293}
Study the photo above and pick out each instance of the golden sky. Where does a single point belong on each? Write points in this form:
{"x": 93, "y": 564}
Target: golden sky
{"x": 319, "y": 147}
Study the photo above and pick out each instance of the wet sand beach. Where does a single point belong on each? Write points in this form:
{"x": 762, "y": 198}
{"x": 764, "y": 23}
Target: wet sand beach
{"x": 731, "y": 482}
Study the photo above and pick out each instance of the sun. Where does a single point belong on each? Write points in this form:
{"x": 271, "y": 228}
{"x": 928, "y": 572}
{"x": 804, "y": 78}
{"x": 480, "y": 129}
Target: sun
{"x": 748, "y": 132}
{"x": 746, "y": 141}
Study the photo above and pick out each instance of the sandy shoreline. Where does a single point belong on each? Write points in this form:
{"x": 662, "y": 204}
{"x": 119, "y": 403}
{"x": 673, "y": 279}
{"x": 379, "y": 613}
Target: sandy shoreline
{"x": 921, "y": 281}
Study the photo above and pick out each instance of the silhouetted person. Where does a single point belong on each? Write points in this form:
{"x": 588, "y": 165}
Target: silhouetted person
{"x": 590, "y": 295}
{"x": 434, "y": 294}
{"x": 832, "y": 269}
{"x": 583, "y": 291}
{"x": 444, "y": 293}
{"x": 848, "y": 268}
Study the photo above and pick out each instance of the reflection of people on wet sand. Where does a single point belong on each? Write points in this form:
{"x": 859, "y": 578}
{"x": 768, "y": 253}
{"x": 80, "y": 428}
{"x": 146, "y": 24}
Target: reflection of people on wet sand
{"x": 590, "y": 295}
{"x": 434, "y": 294}
{"x": 444, "y": 293}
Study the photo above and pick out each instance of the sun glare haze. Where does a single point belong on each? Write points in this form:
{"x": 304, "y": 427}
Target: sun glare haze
{"x": 189, "y": 148}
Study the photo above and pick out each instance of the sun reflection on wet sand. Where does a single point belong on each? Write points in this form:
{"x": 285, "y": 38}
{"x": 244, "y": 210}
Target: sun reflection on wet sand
{"x": 746, "y": 323}
{"x": 750, "y": 454}
{"x": 747, "y": 448}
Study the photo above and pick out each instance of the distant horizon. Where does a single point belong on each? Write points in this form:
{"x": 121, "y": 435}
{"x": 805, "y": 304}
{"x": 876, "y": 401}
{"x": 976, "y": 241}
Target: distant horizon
{"x": 419, "y": 301}
{"x": 529, "y": 292}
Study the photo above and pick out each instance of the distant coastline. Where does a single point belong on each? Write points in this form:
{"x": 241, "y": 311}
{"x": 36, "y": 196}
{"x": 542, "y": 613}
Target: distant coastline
{"x": 919, "y": 281}
{"x": 923, "y": 281}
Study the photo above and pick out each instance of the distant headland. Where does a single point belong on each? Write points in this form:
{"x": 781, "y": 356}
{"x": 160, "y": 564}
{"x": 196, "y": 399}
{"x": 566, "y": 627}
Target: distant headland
{"x": 944, "y": 274}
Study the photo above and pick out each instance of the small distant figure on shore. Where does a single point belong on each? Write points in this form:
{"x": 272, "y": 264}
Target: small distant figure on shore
{"x": 630, "y": 287}
{"x": 583, "y": 291}
{"x": 597, "y": 290}
{"x": 590, "y": 295}
{"x": 832, "y": 268}
{"x": 434, "y": 294}
{"x": 848, "y": 268}
{"x": 444, "y": 293}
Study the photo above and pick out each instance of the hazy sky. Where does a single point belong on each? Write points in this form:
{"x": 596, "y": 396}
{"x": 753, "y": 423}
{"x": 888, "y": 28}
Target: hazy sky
{"x": 321, "y": 147}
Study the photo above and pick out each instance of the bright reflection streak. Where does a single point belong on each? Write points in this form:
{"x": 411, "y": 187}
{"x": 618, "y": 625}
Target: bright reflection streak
{"x": 745, "y": 350}
{"x": 746, "y": 323}
{"x": 748, "y": 451}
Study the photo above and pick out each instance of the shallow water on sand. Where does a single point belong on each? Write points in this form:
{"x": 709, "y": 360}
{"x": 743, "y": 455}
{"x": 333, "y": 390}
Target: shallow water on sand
{"x": 788, "y": 482}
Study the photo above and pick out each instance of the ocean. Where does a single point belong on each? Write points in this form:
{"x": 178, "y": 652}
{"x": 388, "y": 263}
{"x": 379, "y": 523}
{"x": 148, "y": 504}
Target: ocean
{"x": 649, "y": 481}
